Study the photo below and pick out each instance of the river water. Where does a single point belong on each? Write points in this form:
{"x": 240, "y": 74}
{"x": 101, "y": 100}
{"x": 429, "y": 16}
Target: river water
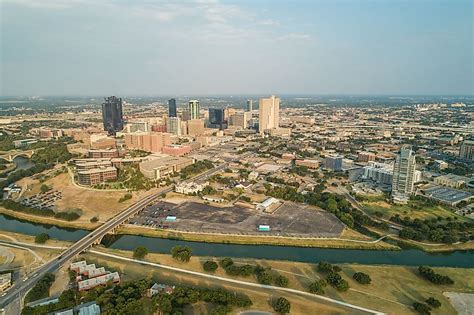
{"x": 412, "y": 257}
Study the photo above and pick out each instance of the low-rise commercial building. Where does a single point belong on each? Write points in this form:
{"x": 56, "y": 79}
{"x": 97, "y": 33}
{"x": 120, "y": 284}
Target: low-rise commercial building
{"x": 452, "y": 180}
{"x": 447, "y": 195}
{"x": 164, "y": 166}
{"x": 190, "y": 188}
{"x": 176, "y": 149}
{"x": 88, "y": 284}
{"x": 313, "y": 164}
{"x": 97, "y": 175}
{"x": 104, "y": 153}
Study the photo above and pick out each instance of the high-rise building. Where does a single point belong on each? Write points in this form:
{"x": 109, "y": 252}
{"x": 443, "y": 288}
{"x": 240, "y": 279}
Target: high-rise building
{"x": 240, "y": 119}
{"x": 216, "y": 118}
{"x": 194, "y": 109}
{"x": 112, "y": 114}
{"x": 185, "y": 115}
{"x": 172, "y": 108}
{"x": 333, "y": 162}
{"x": 467, "y": 150}
{"x": 173, "y": 125}
{"x": 249, "y": 105}
{"x": 404, "y": 172}
{"x": 195, "y": 127}
{"x": 269, "y": 113}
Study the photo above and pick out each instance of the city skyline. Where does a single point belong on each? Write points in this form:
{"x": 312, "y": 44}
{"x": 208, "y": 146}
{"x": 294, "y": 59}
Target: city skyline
{"x": 241, "y": 48}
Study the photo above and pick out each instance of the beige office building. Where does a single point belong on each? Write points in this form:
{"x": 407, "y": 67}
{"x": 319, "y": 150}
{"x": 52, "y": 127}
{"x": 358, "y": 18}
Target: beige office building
{"x": 269, "y": 113}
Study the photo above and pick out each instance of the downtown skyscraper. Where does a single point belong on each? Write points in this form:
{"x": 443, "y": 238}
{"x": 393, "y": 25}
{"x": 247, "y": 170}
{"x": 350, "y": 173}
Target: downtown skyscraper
{"x": 194, "y": 109}
{"x": 112, "y": 114}
{"x": 269, "y": 113}
{"x": 404, "y": 173}
{"x": 172, "y": 108}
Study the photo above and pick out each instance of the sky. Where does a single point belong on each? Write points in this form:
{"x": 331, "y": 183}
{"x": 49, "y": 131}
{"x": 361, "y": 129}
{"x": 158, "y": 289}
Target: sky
{"x": 147, "y": 47}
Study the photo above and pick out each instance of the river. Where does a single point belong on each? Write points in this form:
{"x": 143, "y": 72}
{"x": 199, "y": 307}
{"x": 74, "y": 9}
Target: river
{"x": 411, "y": 257}
{"x": 22, "y": 163}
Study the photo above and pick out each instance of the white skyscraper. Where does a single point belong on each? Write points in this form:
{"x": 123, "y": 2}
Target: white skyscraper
{"x": 404, "y": 173}
{"x": 194, "y": 109}
{"x": 269, "y": 113}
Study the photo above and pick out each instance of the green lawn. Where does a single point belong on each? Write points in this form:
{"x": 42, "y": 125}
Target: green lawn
{"x": 414, "y": 209}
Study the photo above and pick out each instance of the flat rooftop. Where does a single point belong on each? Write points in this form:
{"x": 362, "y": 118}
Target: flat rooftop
{"x": 447, "y": 194}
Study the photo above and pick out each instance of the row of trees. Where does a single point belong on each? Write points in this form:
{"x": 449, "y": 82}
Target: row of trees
{"x": 435, "y": 230}
{"x": 16, "y": 206}
{"x": 264, "y": 275}
{"x": 425, "y": 309}
{"x": 67, "y": 299}
{"x": 436, "y": 278}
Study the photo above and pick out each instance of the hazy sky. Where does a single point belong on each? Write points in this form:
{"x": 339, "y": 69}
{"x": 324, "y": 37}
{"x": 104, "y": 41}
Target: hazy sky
{"x": 105, "y": 47}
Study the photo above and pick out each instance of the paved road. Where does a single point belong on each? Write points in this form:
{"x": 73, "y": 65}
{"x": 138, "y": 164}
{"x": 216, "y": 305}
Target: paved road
{"x": 20, "y": 288}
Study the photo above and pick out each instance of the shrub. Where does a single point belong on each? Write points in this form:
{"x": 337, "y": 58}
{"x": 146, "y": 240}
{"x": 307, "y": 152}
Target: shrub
{"x": 435, "y": 303}
{"x": 41, "y": 238}
{"x": 125, "y": 197}
{"x": 226, "y": 262}
{"x": 210, "y": 266}
{"x": 422, "y": 308}
{"x": 140, "y": 252}
{"x": 282, "y": 306}
{"x": 181, "y": 253}
{"x": 317, "y": 287}
{"x": 281, "y": 281}
{"x": 94, "y": 219}
{"x": 362, "y": 278}
{"x": 337, "y": 281}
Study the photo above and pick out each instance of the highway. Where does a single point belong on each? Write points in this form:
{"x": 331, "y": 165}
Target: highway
{"x": 20, "y": 288}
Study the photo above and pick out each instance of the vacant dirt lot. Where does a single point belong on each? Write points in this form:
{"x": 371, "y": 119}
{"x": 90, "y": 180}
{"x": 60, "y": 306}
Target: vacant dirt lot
{"x": 289, "y": 220}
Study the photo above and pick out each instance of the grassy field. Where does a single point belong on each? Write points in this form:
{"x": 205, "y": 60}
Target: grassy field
{"x": 426, "y": 212}
{"x": 92, "y": 203}
{"x": 393, "y": 288}
{"x": 260, "y": 240}
{"x": 260, "y": 297}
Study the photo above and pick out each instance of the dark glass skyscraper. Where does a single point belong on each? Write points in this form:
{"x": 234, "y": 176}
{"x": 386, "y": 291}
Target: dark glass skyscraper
{"x": 172, "y": 108}
{"x": 112, "y": 114}
{"x": 216, "y": 118}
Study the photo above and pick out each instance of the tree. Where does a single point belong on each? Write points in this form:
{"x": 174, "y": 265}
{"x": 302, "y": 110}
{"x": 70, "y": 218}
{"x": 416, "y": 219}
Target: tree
{"x": 44, "y": 188}
{"x": 181, "y": 253}
{"x": 140, "y": 252}
{"x": 324, "y": 266}
{"x": 281, "y": 281}
{"x": 317, "y": 287}
{"x": 226, "y": 262}
{"x": 264, "y": 277}
{"x": 362, "y": 278}
{"x": 41, "y": 238}
{"x": 94, "y": 219}
{"x": 210, "y": 266}
{"x": 337, "y": 281}
{"x": 282, "y": 306}
{"x": 434, "y": 303}
{"x": 422, "y": 308}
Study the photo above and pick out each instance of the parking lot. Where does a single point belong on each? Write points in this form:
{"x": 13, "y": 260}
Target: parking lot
{"x": 46, "y": 200}
{"x": 290, "y": 219}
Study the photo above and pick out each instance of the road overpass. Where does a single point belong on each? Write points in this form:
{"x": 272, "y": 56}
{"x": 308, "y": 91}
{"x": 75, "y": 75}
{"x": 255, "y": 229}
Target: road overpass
{"x": 21, "y": 287}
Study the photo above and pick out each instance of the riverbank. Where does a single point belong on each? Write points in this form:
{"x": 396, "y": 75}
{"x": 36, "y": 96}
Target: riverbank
{"x": 350, "y": 239}
{"x": 342, "y": 243}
